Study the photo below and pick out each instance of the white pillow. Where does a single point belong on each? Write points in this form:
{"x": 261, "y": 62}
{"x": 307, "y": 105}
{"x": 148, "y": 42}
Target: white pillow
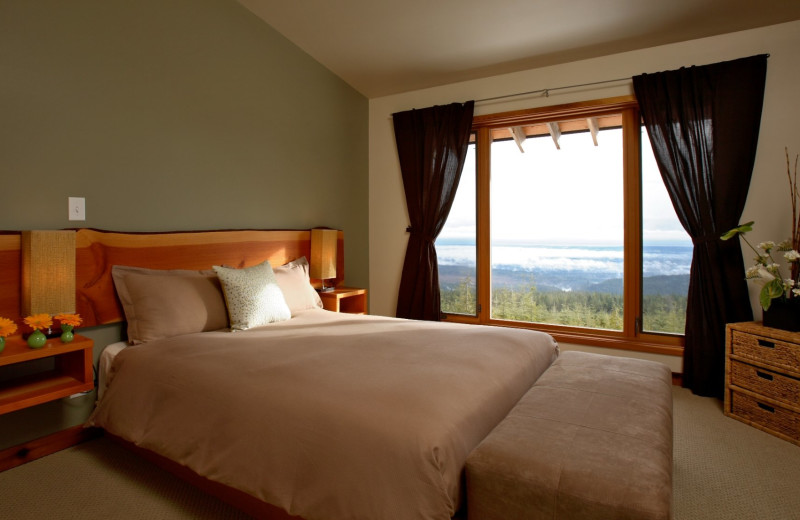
{"x": 252, "y": 296}
{"x": 294, "y": 281}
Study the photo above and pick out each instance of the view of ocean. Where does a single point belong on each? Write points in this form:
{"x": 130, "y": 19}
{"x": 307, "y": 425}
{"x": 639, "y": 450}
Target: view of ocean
{"x": 565, "y": 267}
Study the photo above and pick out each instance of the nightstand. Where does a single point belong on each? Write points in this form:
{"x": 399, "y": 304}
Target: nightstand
{"x": 71, "y": 372}
{"x": 762, "y": 378}
{"x": 345, "y": 299}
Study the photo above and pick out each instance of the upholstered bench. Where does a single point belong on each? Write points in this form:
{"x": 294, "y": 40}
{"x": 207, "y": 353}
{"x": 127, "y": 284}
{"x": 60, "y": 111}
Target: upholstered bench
{"x": 592, "y": 439}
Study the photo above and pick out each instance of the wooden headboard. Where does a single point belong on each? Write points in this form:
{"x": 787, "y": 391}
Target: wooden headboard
{"x": 10, "y": 275}
{"x": 97, "y": 251}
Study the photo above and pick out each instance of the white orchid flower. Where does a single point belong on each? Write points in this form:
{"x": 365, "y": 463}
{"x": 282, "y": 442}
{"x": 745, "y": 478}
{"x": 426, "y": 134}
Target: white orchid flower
{"x": 765, "y": 275}
{"x": 752, "y": 272}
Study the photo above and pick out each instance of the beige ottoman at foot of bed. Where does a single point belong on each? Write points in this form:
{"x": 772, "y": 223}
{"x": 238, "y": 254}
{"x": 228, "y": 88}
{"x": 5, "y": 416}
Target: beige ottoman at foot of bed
{"x": 592, "y": 439}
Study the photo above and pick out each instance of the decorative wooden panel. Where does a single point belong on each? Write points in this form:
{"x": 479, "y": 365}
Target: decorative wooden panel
{"x": 10, "y": 275}
{"x": 97, "y": 251}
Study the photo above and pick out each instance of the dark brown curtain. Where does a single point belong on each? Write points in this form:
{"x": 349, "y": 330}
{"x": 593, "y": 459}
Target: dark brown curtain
{"x": 703, "y": 124}
{"x": 432, "y": 146}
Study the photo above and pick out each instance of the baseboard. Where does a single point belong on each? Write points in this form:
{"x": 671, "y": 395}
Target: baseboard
{"x": 32, "y": 450}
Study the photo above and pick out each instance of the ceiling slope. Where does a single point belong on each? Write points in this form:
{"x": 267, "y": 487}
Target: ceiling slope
{"x": 383, "y": 47}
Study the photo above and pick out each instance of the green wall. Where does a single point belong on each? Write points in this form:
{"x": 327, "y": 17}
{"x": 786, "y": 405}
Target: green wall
{"x": 170, "y": 115}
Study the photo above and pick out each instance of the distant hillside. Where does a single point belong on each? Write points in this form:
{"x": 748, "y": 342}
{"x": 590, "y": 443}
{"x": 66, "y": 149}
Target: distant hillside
{"x": 450, "y": 276}
{"x": 665, "y": 284}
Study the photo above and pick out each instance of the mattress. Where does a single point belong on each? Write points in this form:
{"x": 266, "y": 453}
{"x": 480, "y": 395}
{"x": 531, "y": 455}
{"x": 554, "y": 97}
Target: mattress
{"x": 104, "y": 365}
{"x": 327, "y": 416}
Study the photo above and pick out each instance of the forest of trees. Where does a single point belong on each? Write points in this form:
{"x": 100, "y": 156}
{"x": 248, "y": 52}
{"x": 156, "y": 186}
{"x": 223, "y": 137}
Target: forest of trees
{"x": 661, "y": 312}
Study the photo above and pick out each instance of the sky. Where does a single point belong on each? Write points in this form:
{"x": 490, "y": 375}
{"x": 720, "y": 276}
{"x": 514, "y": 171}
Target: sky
{"x": 571, "y": 196}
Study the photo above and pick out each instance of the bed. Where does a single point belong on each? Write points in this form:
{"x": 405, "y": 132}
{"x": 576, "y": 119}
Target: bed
{"x": 319, "y": 415}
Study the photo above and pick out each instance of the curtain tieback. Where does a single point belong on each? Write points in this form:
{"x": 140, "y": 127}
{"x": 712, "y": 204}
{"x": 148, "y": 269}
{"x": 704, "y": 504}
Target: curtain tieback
{"x": 420, "y": 235}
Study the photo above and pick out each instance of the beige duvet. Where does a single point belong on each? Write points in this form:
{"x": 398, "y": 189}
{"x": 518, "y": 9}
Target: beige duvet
{"x": 328, "y": 416}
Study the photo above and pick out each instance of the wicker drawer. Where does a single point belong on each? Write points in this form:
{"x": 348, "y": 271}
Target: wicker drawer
{"x": 766, "y": 382}
{"x": 765, "y": 416}
{"x": 767, "y": 350}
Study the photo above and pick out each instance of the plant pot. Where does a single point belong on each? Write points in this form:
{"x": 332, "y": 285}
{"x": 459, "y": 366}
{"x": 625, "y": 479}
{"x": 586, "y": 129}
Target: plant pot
{"x": 783, "y": 314}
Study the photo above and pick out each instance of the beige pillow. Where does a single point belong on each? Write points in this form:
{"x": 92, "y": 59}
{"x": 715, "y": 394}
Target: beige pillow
{"x": 294, "y": 281}
{"x": 252, "y": 296}
{"x": 163, "y": 303}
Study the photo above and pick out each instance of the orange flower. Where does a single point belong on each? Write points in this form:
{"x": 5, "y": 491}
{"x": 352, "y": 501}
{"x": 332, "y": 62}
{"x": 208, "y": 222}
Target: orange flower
{"x": 39, "y": 321}
{"x": 69, "y": 319}
{"x": 7, "y": 327}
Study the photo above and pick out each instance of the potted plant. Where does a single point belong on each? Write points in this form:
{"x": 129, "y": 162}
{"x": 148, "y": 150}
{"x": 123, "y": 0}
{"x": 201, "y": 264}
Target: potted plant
{"x": 37, "y": 322}
{"x": 780, "y": 294}
{"x": 7, "y": 328}
{"x": 68, "y": 323}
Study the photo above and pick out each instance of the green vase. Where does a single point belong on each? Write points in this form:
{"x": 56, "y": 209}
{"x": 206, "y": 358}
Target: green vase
{"x": 37, "y": 339}
{"x": 2, "y": 343}
{"x": 67, "y": 335}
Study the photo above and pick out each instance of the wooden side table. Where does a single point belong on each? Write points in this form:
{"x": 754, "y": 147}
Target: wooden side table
{"x": 345, "y": 299}
{"x": 762, "y": 378}
{"x": 71, "y": 373}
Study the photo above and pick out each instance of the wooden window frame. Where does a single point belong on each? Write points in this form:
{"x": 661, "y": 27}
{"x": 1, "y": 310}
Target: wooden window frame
{"x": 630, "y": 337}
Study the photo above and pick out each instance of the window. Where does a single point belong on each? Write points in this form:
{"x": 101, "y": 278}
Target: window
{"x": 562, "y": 223}
{"x": 456, "y": 248}
{"x": 666, "y": 253}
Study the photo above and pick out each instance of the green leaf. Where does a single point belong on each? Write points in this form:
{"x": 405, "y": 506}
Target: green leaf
{"x": 765, "y": 298}
{"x": 772, "y": 289}
{"x": 741, "y": 229}
{"x": 775, "y": 287}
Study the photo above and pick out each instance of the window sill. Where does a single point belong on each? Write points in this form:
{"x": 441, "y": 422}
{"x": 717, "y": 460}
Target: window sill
{"x": 670, "y": 345}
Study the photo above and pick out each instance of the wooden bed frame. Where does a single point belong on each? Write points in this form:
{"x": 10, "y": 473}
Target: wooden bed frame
{"x": 97, "y": 303}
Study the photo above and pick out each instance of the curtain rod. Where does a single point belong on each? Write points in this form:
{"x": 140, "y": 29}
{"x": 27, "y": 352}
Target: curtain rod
{"x": 548, "y": 90}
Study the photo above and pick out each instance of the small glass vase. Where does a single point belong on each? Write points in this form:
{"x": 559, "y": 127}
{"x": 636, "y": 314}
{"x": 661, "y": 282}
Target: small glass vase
{"x": 2, "y": 343}
{"x": 66, "y": 334}
{"x": 37, "y": 339}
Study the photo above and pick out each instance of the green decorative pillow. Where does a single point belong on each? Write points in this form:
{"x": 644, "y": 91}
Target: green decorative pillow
{"x": 252, "y": 296}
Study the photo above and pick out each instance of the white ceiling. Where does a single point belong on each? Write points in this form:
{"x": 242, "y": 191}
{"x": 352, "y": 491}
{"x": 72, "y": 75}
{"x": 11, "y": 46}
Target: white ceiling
{"x": 383, "y": 47}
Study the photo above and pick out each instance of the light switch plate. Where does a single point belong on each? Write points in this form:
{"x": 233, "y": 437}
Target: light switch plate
{"x": 77, "y": 208}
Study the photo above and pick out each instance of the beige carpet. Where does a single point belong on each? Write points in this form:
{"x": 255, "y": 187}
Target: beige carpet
{"x": 727, "y": 470}
{"x": 723, "y": 470}
{"x": 101, "y": 480}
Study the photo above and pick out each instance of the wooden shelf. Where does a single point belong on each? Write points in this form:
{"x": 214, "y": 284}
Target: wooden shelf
{"x": 345, "y": 299}
{"x": 72, "y": 372}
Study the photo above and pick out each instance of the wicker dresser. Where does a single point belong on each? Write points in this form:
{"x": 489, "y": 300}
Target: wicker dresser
{"x": 762, "y": 378}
